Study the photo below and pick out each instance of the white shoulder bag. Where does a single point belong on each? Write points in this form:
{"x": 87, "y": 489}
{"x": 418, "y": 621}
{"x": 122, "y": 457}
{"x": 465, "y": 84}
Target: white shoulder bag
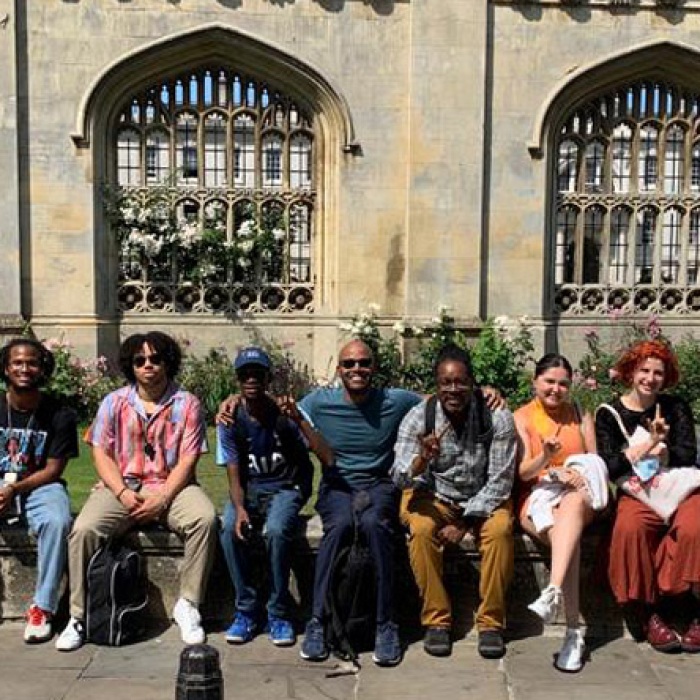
{"x": 667, "y": 488}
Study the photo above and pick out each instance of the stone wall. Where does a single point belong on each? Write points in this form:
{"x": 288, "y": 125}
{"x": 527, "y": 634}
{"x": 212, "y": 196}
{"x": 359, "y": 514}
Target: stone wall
{"x": 442, "y": 198}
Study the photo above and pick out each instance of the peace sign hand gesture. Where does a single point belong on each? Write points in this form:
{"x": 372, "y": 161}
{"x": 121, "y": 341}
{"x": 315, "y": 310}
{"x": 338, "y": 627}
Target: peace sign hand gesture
{"x": 551, "y": 445}
{"x": 429, "y": 450}
{"x": 658, "y": 427}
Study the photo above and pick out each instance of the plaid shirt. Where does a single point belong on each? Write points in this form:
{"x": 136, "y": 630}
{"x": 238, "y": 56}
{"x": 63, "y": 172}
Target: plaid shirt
{"x": 464, "y": 475}
{"x": 122, "y": 429}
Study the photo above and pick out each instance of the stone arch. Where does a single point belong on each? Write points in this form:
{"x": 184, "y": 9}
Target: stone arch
{"x": 170, "y": 55}
{"x": 672, "y": 60}
{"x": 659, "y": 63}
{"x": 213, "y": 42}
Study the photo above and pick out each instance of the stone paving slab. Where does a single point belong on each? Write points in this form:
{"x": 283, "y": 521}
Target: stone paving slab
{"x": 618, "y": 669}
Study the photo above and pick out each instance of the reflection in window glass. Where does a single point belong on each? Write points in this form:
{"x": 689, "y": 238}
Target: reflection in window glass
{"x": 129, "y": 158}
{"x": 564, "y": 247}
{"x": 674, "y": 160}
{"x": 215, "y": 151}
{"x": 272, "y": 160}
{"x": 619, "y": 244}
{"x": 622, "y": 158}
{"x": 644, "y": 251}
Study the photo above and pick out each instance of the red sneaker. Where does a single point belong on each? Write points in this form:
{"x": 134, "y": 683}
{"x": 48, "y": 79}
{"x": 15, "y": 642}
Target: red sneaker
{"x": 661, "y": 636}
{"x": 38, "y": 627}
{"x": 690, "y": 641}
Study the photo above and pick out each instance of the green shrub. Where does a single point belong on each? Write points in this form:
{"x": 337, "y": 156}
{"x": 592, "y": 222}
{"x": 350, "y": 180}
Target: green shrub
{"x": 82, "y": 384}
{"x": 210, "y": 378}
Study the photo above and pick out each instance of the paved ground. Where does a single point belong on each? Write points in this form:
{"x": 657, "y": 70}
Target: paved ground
{"x": 618, "y": 669}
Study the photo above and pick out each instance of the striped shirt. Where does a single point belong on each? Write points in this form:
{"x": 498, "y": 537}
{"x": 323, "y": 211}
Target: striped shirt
{"x": 125, "y": 431}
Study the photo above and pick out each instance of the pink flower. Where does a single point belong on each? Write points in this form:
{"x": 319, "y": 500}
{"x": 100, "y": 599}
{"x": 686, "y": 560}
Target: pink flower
{"x": 654, "y": 327}
{"x": 591, "y": 383}
{"x": 613, "y": 374}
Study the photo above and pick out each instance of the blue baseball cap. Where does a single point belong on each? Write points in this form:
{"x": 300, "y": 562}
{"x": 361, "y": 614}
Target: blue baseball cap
{"x": 252, "y": 356}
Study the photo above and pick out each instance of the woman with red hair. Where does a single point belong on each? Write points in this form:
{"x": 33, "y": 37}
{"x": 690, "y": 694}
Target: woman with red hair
{"x": 652, "y": 561}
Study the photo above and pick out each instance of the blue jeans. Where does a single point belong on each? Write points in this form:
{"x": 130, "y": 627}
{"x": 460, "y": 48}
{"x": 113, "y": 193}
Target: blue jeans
{"x": 47, "y": 510}
{"x": 279, "y": 511}
{"x": 378, "y": 524}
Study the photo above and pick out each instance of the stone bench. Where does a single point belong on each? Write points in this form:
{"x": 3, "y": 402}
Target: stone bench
{"x": 163, "y": 550}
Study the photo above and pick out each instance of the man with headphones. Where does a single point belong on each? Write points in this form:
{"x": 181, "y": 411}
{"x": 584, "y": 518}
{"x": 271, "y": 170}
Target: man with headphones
{"x": 38, "y": 435}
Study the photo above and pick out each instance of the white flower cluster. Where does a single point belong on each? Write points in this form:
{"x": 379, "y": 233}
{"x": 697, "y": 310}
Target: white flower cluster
{"x": 510, "y": 328}
{"x": 149, "y": 243}
{"x": 187, "y": 235}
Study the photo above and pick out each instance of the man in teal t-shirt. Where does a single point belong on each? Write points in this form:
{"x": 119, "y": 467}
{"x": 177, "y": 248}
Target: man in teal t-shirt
{"x": 359, "y": 423}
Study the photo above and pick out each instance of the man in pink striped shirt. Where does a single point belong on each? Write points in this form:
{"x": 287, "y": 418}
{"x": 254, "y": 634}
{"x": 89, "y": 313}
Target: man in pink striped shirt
{"x": 146, "y": 440}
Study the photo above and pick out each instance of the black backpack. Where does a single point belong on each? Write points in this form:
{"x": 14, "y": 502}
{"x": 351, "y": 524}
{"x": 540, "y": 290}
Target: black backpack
{"x": 351, "y": 603}
{"x": 116, "y": 595}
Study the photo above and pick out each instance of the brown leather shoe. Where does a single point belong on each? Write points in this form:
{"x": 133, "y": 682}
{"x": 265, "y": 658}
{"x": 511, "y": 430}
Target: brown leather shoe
{"x": 690, "y": 641}
{"x": 661, "y": 636}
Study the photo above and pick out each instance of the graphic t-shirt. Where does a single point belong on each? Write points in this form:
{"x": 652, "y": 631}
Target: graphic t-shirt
{"x": 276, "y": 454}
{"x": 29, "y": 438}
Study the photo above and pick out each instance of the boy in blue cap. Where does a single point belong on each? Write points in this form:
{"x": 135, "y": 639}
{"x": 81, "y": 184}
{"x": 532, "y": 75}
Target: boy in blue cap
{"x": 270, "y": 479}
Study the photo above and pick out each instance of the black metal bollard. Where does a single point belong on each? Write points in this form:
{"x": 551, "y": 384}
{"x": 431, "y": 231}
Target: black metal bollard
{"x": 199, "y": 677}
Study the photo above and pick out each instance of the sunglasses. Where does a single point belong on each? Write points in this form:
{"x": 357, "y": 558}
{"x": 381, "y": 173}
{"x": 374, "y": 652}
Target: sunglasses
{"x": 364, "y": 362}
{"x": 155, "y": 359}
{"x": 254, "y": 372}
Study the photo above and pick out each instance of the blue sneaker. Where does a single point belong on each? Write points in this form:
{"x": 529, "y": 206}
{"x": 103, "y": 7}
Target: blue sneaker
{"x": 314, "y": 647}
{"x": 242, "y": 629}
{"x": 281, "y": 632}
{"x": 387, "y": 646}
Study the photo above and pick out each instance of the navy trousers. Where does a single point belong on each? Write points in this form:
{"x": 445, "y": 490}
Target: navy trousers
{"x": 378, "y": 523}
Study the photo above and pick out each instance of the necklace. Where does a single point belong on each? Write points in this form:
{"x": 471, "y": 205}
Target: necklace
{"x": 30, "y": 422}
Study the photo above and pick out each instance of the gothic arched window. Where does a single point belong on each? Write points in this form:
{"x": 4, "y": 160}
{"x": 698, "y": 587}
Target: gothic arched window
{"x": 627, "y": 205}
{"x": 212, "y": 196}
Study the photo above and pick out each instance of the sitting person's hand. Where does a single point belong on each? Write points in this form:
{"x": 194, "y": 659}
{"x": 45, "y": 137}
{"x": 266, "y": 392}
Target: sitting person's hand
{"x": 452, "y": 534}
{"x": 149, "y": 509}
{"x": 493, "y": 397}
{"x": 6, "y": 495}
{"x": 572, "y": 478}
{"x": 658, "y": 427}
{"x": 288, "y": 407}
{"x": 227, "y": 410}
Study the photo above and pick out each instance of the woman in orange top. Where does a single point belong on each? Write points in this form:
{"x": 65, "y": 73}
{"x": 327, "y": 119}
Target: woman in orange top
{"x": 552, "y": 428}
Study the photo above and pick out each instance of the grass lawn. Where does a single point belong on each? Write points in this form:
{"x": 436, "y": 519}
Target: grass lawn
{"x": 80, "y": 477}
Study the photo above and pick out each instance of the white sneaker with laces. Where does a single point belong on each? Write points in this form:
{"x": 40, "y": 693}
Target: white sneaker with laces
{"x": 573, "y": 651}
{"x": 547, "y": 605}
{"x": 190, "y": 622}
{"x": 72, "y": 637}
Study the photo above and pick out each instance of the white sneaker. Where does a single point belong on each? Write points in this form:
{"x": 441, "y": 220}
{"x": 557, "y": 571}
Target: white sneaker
{"x": 73, "y": 637}
{"x": 547, "y": 605}
{"x": 573, "y": 651}
{"x": 38, "y": 627}
{"x": 190, "y": 622}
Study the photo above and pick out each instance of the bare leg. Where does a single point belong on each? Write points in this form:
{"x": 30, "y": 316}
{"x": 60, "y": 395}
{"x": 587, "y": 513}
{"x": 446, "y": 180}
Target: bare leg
{"x": 570, "y": 518}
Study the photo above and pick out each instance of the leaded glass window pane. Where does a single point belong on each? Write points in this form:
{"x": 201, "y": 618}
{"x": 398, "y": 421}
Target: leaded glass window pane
{"x": 632, "y": 217}
{"x": 215, "y": 150}
{"x": 216, "y": 174}
{"x": 674, "y": 160}
{"x": 129, "y": 157}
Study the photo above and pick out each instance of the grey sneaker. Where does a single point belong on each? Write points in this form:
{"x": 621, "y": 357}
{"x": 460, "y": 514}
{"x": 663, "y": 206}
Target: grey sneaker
{"x": 387, "y": 646}
{"x": 573, "y": 652}
{"x": 437, "y": 641}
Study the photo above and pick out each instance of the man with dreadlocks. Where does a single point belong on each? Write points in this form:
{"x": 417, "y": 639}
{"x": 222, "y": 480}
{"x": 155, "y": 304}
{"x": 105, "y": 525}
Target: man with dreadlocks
{"x": 455, "y": 460}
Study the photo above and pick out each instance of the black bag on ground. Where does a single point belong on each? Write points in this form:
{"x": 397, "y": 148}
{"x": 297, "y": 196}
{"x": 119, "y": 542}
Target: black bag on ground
{"x": 116, "y": 595}
{"x": 351, "y": 604}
